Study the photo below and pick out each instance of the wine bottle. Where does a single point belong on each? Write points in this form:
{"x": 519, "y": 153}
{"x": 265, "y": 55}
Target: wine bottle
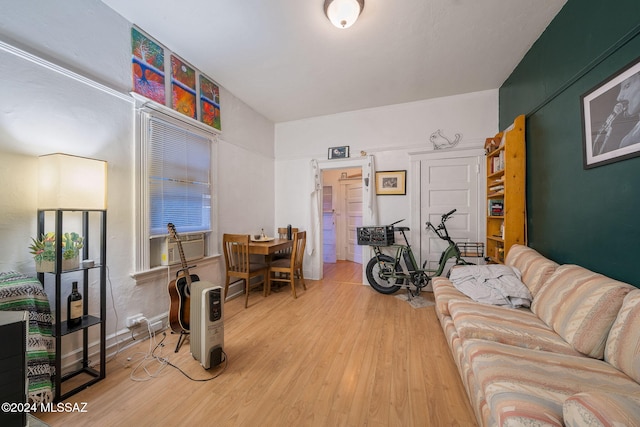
{"x": 74, "y": 307}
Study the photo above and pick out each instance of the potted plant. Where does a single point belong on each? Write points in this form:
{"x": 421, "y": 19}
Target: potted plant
{"x": 44, "y": 251}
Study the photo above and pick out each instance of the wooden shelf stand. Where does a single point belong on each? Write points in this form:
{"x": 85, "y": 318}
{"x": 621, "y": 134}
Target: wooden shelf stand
{"x": 506, "y": 193}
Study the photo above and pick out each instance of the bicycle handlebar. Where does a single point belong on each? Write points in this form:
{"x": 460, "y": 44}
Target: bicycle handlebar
{"x": 448, "y": 214}
{"x": 441, "y": 229}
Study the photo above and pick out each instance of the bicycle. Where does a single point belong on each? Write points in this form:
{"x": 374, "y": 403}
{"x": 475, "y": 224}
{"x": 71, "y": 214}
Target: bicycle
{"x": 386, "y": 274}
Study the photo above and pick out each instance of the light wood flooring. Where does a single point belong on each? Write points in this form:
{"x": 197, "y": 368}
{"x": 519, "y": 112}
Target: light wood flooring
{"x": 339, "y": 355}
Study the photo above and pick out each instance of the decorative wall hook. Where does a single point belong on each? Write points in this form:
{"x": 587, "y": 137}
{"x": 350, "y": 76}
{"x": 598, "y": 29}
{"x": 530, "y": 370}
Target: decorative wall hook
{"x": 441, "y": 142}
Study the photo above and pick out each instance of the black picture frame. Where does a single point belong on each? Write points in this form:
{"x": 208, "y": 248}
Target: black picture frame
{"x": 338, "y": 152}
{"x": 391, "y": 183}
{"x": 611, "y": 118}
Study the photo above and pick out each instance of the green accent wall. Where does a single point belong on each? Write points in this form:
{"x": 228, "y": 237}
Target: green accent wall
{"x": 589, "y": 217}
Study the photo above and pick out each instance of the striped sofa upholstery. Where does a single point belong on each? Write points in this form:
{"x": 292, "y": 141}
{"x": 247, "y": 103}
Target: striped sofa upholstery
{"x": 535, "y": 268}
{"x": 580, "y": 306}
{"x": 623, "y": 343}
{"x": 524, "y": 328}
{"x": 524, "y": 387}
{"x": 573, "y": 359}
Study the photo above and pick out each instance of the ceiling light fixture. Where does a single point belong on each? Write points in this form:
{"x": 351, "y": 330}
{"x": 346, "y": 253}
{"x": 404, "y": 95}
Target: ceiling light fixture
{"x": 343, "y": 13}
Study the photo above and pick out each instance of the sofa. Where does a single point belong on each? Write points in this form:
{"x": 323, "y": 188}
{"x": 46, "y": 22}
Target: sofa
{"x": 572, "y": 358}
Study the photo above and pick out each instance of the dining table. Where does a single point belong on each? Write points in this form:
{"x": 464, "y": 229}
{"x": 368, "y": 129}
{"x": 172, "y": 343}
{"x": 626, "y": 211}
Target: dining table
{"x": 269, "y": 247}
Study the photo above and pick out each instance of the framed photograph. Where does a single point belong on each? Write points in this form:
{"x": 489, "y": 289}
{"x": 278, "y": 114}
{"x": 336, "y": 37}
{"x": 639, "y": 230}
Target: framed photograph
{"x": 391, "y": 183}
{"x": 339, "y": 152}
{"x": 611, "y": 118}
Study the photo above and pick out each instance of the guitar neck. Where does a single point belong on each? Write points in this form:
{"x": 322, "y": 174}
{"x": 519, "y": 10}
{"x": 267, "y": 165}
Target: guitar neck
{"x": 183, "y": 261}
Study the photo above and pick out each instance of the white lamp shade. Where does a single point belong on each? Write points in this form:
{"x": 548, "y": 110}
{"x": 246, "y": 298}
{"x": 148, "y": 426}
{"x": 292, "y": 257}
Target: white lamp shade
{"x": 71, "y": 182}
{"x": 343, "y": 13}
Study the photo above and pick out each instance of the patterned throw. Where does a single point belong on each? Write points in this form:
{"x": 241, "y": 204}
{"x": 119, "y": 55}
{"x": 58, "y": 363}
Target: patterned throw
{"x": 23, "y": 293}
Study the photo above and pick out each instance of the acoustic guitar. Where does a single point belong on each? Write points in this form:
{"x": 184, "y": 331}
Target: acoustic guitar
{"x": 180, "y": 290}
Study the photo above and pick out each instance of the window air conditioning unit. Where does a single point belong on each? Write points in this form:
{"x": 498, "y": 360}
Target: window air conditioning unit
{"x": 192, "y": 246}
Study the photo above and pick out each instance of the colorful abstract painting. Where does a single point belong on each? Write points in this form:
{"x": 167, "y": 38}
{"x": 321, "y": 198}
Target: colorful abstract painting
{"x": 147, "y": 67}
{"x": 210, "y": 103}
{"x": 183, "y": 87}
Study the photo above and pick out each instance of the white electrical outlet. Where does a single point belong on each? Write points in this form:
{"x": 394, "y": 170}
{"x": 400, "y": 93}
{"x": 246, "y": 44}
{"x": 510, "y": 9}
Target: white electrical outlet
{"x": 134, "y": 321}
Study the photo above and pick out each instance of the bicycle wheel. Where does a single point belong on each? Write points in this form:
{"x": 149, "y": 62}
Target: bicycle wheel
{"x": 375, "y": 268}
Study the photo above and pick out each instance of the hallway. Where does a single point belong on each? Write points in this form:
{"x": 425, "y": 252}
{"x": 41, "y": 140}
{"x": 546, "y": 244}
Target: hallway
{"x": 343, "y": 271}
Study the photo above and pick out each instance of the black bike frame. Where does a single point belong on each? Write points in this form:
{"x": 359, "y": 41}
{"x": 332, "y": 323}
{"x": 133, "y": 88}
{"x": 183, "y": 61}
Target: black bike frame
{"x": 404, "y": 251}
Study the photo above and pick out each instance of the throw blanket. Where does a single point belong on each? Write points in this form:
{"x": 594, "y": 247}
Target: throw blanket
{"x": 491, "y": 284}
{"x": 22, "y": 293}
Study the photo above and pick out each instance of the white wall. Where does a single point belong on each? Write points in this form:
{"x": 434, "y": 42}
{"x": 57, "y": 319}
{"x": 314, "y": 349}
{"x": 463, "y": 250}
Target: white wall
{"x": 43, "y": 111}
{"x": 389, "y": 133}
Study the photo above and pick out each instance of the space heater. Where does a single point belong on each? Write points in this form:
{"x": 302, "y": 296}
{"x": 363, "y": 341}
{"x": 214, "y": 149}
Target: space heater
{"x": 206, "y": 323}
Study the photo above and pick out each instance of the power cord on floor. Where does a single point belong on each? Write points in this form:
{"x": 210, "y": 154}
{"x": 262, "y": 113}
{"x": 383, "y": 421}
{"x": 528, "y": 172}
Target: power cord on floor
{"x": 149, "y": 358}
{"x": 162, "y": 361}
{"x": 224, "y": 368}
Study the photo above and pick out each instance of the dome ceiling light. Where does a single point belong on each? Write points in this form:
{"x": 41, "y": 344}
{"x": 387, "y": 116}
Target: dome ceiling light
{"x": 343, "y": 13}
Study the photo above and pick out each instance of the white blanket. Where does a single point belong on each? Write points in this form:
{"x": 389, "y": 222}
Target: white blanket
{"x": 492, "y": 284}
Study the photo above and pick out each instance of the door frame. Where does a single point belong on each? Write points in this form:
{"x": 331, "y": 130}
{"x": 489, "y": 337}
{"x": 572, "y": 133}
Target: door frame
{"x": 416, "y": 183}
{"x": 367, "y": 216}
{"x": 344, "y": 222}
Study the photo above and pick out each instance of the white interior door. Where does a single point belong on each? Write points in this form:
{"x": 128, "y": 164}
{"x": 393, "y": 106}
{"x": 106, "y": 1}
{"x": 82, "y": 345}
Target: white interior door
{"x": 328, "y": 226}
{"x": 353, "y": 217}
{"x": 446, "y": 184}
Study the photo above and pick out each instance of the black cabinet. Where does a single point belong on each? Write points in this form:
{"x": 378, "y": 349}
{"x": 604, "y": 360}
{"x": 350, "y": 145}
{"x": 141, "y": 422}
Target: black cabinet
{"x": 86, "y": 366}
{"x": 13, "y": 369}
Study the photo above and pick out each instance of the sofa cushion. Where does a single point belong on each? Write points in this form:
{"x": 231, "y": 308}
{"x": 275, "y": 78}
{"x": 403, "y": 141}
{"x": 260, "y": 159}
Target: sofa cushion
{"x": 580, "y": 306}
{"x": 595, "y": 409}
{"x": 519, "y": 327}
{"x": 444, "y": 291}
{"x": 535, "y": 268}
{"x": 623, "y": 343}
{"x": 529, "y": 387}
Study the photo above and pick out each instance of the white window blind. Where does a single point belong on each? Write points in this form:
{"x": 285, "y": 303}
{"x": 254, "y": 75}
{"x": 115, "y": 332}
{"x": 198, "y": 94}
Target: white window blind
{"x": 179, "y": 171}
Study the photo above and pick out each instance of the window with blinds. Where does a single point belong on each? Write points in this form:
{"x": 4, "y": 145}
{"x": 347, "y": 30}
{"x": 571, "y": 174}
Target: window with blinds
{"x": 175, "y": 165}
{"x": 179, "y": 171}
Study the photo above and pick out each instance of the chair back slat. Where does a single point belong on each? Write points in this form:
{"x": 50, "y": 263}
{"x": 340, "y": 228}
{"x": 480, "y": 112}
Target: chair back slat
{"x": 282, "y": 233}
{"x": 236, "y": 252}
{"x": 299, "y": 243}
{"x": 237, "y": 263}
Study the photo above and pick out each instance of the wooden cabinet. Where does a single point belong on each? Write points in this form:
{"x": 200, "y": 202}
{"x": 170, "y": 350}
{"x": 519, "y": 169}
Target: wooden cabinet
{"x": 506, "y": 201}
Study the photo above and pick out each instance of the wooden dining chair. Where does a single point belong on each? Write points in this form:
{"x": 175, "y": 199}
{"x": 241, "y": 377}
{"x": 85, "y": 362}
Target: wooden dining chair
{"x": 286, "y": 269}
{"x": 239, "y": 265}
{"x": 282, "y": 234}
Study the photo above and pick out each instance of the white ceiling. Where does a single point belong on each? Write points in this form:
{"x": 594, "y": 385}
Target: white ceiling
{"x": 285, "y": 60}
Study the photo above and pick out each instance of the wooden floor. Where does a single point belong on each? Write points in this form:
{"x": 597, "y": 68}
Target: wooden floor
{"x": 339, "y": 355}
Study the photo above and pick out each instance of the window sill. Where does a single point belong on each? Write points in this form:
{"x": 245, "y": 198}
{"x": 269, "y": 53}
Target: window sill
{"x": 163, "y": 272}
